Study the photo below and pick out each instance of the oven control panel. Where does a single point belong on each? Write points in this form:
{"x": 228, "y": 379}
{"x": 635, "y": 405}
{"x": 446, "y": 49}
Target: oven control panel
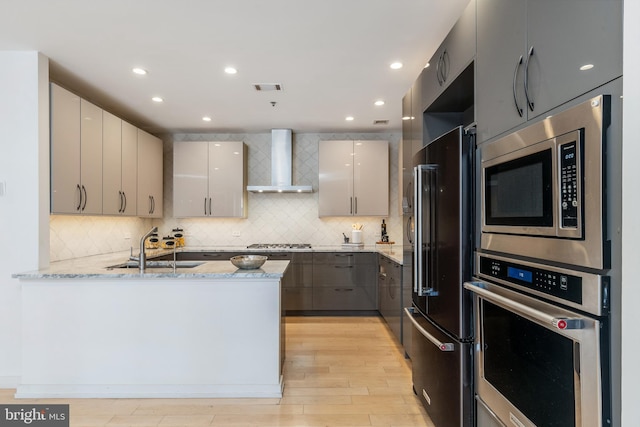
{"x": 559, "y": 285}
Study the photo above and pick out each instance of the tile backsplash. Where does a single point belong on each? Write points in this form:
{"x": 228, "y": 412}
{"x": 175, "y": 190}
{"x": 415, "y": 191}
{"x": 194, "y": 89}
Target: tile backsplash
{"x": 271, "y": 218}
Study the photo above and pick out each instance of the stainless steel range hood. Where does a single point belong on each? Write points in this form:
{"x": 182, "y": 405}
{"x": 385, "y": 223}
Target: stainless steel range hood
{"x": 281, "y": 166}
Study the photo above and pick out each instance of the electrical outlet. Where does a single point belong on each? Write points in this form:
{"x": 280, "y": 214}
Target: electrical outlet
{"x": 235, "y": 234}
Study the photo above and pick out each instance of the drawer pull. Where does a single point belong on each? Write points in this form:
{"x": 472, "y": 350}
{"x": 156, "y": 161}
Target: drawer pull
{"x": 343, "y": 290}
{"x": 343, "y": 266}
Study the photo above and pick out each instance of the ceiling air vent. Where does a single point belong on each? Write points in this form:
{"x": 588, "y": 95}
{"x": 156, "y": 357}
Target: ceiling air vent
{"x": 381, "y": 122}
{"x": 264, "y": 87}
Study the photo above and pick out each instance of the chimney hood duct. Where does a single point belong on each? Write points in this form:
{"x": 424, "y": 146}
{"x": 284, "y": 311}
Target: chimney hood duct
{"x": 281, "y": 166}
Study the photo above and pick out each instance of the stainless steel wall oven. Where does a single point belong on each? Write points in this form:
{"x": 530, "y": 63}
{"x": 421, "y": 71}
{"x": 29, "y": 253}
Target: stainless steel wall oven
{"x": 541, "y": 290}
{"x": 538, "y": 362}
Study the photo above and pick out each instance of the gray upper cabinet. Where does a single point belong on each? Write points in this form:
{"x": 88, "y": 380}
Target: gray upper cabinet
{"x": 209, "y": 179}
{"x": 532, "y": 55}
{"x": 119, "y": 166}
{"x": 76, "y": 154}
{"x": 454, "y": 54}
{"x": 150, "y": 171}
{"x": 353, "y": 178}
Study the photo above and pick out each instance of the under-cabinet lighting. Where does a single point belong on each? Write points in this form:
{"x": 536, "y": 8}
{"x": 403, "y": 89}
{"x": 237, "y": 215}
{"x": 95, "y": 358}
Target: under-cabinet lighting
{"x": 230, "y": 70}
{"x": 379, "y": 102}
{"x": 406, "y": 118}
{"x": 157, "y": 99}
{"x": 396, "y": 65}
{"x": 349, "y": 118}
{"x": 139, "y": 71}
{"x": 206, "y": 118}
{"x": 586, "y": 67}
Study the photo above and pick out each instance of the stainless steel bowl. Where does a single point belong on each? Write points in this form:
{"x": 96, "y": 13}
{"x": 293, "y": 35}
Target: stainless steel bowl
{"x": 248, "y": 262}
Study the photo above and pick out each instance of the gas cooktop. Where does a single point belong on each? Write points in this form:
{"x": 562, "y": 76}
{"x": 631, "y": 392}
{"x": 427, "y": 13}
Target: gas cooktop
{"x": 280, "y": 246}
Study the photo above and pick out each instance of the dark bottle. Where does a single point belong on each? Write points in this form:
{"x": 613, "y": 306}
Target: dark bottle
{"x": 383, "y": 232}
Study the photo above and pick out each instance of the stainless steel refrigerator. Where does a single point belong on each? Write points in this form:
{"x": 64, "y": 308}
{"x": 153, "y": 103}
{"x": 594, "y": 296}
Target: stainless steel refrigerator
{"x": 441, "y": 311}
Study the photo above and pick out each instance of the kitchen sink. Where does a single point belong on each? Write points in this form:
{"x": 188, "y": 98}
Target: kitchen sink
{"x": 158, "y": 264}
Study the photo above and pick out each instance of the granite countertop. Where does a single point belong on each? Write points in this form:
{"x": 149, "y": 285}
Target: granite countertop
{"x": 97, "y": 267}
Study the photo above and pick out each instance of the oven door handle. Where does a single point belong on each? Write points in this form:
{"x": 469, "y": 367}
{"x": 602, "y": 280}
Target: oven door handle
{"x": 442, "y": 346}
{"x": 561, "y": 323}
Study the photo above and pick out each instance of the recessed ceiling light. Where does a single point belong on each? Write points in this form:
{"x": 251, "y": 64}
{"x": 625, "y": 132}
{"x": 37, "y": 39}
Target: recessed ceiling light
{"x": 139, "y": 71}
{"x": 349, "y": 118}
{"x": 379, "y": 102}
{"x": 206, "y": 118}
{"x": 396, "y": 65}
{"x": 586, "y": 67}
{"x": 157, "y": 99}
{"x": 230, "y": 70}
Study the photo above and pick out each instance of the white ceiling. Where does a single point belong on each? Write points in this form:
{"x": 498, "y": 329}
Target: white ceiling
{"x": 332, "y": 58}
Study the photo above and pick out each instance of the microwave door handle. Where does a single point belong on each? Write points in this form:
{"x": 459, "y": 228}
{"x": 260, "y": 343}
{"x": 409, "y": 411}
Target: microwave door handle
{"x": 561, "y": 323}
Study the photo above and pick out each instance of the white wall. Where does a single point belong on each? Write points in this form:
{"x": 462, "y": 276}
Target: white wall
{"x": 24, "y": 190}
{"x": 630, "y": 219}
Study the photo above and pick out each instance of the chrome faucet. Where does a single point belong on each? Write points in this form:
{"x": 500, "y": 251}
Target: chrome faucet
{"x": 142, "y": 259}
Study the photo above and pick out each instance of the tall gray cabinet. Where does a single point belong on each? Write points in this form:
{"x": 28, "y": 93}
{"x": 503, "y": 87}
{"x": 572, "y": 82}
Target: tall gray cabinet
{"x": 534, "y": 55}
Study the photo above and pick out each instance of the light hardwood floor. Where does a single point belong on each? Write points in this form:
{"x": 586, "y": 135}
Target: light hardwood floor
{"x": 339, "y": 371}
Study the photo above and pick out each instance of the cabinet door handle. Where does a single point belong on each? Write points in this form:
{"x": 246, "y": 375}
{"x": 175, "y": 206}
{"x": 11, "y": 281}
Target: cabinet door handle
{"x": 84, "y": 192}
{"x": 150, "y": 205}
{"x": 210, "y": 206}
{"x": 526, "y": 80}
{"x": 351, "y": 205}
{"x": 120, "y": 197}
{"x": 444, "y": 69}
{"x": 515, "y": 95}
{"x": 79, "y": 197}
{"x": 438, "y": 65}
{"x": 205, "y": 205}
{"x": 356, "y": 205}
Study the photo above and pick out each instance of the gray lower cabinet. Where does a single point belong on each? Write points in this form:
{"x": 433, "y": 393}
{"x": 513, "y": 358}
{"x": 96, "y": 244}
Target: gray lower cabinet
{"x": 315, "y": 280}
{"x": 390, "y": 294}
{"x": 297, "y": 292}
{"x": 344, "y": 281}
{"x": 533, "y": 56}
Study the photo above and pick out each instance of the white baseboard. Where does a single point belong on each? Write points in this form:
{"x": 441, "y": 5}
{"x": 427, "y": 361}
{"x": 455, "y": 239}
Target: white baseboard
{"x": 7, "y": 381}
{"x": 32, "y": 391}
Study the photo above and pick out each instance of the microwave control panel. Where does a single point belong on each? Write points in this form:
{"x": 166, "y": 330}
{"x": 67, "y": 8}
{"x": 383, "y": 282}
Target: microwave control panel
{"x": 559, "y": 285}
{"x": 569, "y": 196}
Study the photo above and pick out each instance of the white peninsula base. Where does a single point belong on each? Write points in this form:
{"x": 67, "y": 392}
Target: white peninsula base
{"x": 159, "y": 337}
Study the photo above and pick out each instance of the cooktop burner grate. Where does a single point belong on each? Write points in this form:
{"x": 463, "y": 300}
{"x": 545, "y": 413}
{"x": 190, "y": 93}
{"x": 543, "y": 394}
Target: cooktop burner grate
{"x": 280, "y": 246}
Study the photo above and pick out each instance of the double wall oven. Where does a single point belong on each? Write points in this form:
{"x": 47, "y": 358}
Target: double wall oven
{"x": 540, "y": 288}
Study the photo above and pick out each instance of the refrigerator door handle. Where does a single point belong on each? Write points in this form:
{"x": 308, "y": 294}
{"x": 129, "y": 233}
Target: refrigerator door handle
{"x": 417, "y": 231}
{"x": 442, "y": 346}
{"x": 421, "y": 270}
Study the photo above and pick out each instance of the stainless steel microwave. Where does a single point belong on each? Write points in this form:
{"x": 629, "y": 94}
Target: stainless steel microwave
{"x": 543, "y": 188}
